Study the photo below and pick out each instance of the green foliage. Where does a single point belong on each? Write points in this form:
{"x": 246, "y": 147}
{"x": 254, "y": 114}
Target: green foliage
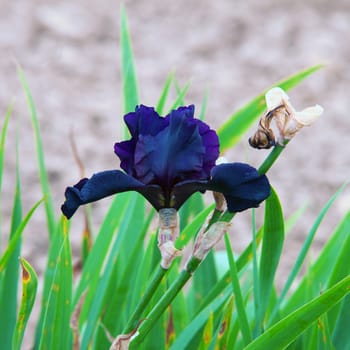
{"x": 121, "y": 288}
{"x": 29, "y": 288}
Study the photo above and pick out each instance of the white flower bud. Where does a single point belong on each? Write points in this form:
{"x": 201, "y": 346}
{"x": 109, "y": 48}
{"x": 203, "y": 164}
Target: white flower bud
{"x": 309, "y": 115}
{"x": 275, "y": 97}
{"x": 281, "y": 121}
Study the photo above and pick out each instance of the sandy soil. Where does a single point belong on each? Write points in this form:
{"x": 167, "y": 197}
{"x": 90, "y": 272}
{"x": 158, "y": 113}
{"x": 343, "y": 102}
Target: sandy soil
{"x": 233, "y": 49}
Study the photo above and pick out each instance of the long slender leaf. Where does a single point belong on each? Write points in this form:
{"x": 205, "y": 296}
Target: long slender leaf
{"x": 17, "y": 236}
{"x": 179, "y": 99}
{"x": 225, "y": 280}
{"x": 341, "y": 269}
{"x": 8, "y": 294}
{"x": 118, "y": 295}
{"x": 56, "y": 321}
{"x": 3, "y": 139}
{"x": 289, "y": 328}
{"x": 341, "y": 339}
{"x": 241, "y": 312}
{"x": 164, "y": 95}
{"x": 130, "y": 90}
{"x": 231, "y": 131}
{"x": 305, "y": 248}
{"x": 207, "y": 333}
{"x": 99, "y": 251}
{"x": 272, "y": 244}
{"x": 29, "y": 288}
{"x": 2, "y": 151}
{"x": 186, "y": 336}
{"x": 224, "y": 326}
{"x": 43, "y": 175}
{"x": 94, "y": 301}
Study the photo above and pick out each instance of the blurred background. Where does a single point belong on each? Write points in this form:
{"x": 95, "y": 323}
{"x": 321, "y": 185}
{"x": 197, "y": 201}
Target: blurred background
{"x": 232, "y": 49}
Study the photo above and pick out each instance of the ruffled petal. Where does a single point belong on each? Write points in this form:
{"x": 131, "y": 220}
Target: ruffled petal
{"x": 144, "y": 121}
{"x": 241, "y": 184}
{"x": 174, "y": 154}
{"x": 105, "y": 184}
{"x": 209, "y": 138}
{"x": 212, "y": 148}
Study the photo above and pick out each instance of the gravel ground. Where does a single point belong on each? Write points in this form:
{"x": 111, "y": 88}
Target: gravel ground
{"x": 233, "y": 49}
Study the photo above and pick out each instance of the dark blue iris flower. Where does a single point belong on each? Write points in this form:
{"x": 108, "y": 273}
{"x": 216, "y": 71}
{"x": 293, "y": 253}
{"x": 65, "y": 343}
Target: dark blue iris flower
{"x": 168, "y": 159}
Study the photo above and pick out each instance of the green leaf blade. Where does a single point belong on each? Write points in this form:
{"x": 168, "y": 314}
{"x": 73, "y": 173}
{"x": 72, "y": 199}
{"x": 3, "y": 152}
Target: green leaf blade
{"x": 43, "y": 175}
{"x": 29, "y": 289}
{"x": 130, "y": 90}
{"x": 294, "y": 324}
{"x": 8, "y": 292}
{"x": 272, "y": 244}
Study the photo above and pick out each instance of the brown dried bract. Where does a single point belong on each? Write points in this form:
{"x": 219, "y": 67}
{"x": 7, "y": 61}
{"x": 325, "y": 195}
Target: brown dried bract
{"x": 264, "y": 138}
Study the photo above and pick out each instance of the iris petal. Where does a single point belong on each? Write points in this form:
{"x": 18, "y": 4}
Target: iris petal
{"x": 241, "y": 184}
{"x": 174, "y": 154}
{"x": 144, "y": 121}
{"x": 167, "y": 160}
{"x": 209, "y": 138}
{"x": 183, "y": 190}
{"x": 104, "y": 184}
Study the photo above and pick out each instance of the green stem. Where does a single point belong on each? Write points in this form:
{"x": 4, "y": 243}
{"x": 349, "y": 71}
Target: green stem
{"x": 143, "y": 303}
{"x": 184, "y": 276}
{"x": 271, "y": 158}
{"x": 214, "y": 217}
{"x": 165, "y": 301}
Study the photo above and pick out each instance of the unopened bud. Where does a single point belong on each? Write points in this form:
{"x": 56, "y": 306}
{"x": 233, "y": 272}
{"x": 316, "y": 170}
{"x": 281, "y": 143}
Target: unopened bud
{"x": 281, "y": 121}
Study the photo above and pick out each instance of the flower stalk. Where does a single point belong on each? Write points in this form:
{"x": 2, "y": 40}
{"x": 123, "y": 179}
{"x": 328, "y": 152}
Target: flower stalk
{"x": 165, "y": 301}
{"x": 193, "y": 262}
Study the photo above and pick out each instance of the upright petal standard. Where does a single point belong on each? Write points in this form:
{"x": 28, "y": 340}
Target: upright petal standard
{"x": 168, "y": 159}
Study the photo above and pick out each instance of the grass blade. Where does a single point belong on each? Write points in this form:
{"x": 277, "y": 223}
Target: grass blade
{"x": 236, "y": 288}
{"x": 180, "y": 96}
{"x": 29, "y": 288}
{"x": 2, "y": 150}
{"x": 184, "y": 339}
{"x": 289, "y": 328}
{"x": 130, "y": 90}
{"x": 225, "y": 280}
{"x": 203, "y": 109}
{"x": 16, "y": 237}
{"x": 340, "y": 336}
{"x": 8, "y": 294}
{"x": 232, "y": 130}
{"x": 43, "y": 175}
{"x": 94, "y": 301}
{"x": 305, "y": 248}
{"x": 207, "y": 333}
{"x": 164, "y": 95}
{"x": 272, "y": 244}
{"x": 225, "y": 325}
{"x": 99, "y": 251}
{"x": 56, "y": 320}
